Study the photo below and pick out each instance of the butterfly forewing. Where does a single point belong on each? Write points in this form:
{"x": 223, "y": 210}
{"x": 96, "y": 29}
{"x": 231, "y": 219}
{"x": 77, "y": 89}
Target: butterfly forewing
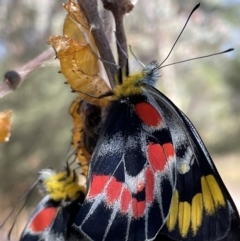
{"x": 132, "y": 174}
{"x": 151, "y": 177}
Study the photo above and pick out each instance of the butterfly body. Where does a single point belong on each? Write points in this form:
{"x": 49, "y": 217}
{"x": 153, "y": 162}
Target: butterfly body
{"x": 150, "y": 173}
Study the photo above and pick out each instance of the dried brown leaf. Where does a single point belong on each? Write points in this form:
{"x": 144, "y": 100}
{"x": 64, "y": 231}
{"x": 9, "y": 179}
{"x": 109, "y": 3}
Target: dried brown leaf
{"x": 5, "y": 125}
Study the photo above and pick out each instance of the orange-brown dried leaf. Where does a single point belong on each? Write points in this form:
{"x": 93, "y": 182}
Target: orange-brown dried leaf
{"x": 5, "y": 125}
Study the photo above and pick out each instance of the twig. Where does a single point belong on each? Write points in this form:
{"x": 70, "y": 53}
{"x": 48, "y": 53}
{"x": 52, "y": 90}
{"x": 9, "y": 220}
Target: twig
{"x": 89, "y": 7}
{"x": 14, "y": 78}
{"x": 119, "y": 9}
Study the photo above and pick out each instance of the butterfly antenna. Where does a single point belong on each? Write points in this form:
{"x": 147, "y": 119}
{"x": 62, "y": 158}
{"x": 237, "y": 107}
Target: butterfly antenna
{"x": 130, "y": 47}
{"x": 68, "y": 161}
{"x": 201, "y": 57}
{"x": 119, "y": 45}
{"x": 103, "y": 60}
{"x": 68, "y": 150}
{"x": 194, "y": 9}
{"x": 75, "y": 175}
{"x": 107, "y": 94}
{"x": 71, "y": 170}
{"x": 18, "y": 203}
{"x": 20, "y": 210}
{"x": 68, "y": 168}
{"x": 74, "y": 160}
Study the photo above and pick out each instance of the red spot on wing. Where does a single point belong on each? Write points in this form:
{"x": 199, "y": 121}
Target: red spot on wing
{"x": 149, "y": 185}
{"x": 148, "y": 114}
{"x": 126, "y": 199}
{"x": 113, "y": 190}
{"x": 97, "y": 185}
{"x": 138, "y": 208}
{"x": 43, "y": 219}
{"x": 168, "y": 149}
{"x": 157, "y": 157}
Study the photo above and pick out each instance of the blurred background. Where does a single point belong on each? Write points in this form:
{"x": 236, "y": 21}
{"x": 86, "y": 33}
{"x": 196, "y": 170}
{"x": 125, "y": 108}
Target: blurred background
{"x": 207, "y": 90}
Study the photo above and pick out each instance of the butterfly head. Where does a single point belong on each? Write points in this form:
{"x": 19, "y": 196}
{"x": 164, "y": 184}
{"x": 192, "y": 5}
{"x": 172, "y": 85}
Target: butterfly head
{"x": 134, "y": 84}
{"x": 151, "y": 73}
{"x": 46, "y": 173}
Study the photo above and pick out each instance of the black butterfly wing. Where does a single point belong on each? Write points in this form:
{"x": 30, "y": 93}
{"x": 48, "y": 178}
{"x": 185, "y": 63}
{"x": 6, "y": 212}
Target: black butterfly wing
{"x": 202, "y": 208}
{"x": 40, "y": 221}
{"x": 145, "y": 142}
{"x": 50, "y": 221}
{"x": 234, "y": 227}
{"x": 129, "y": 190}
{"x": 62, "y": 226}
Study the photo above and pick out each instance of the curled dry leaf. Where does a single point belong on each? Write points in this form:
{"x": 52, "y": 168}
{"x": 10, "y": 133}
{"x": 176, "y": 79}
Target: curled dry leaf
{"x": 5, "y": 125}
{"x": 77, "y": 53}
{"x": 86, "y": 120}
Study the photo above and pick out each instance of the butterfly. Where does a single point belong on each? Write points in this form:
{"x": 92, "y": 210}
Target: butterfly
{"x": 151, "y": 176}
{"x": 53, "y": 217}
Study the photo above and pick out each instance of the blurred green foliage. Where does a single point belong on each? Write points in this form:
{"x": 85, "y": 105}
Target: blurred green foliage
{"x": 206, "y": 90}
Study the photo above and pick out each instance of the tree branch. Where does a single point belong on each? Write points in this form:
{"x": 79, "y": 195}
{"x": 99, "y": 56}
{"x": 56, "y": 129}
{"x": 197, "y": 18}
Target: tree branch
{"x": 89, "y": 8}
{"x": 14, "y": 78}
{"x": 119, "y": 9}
